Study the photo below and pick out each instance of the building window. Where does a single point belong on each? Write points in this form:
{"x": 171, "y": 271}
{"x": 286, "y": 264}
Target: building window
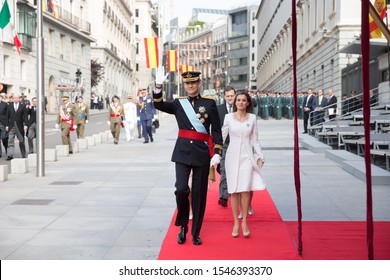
{"x": 137, "y": 67}
{"x": 253, "y": 43}
{"x": 23, "y": 70}
{"x": 82, "y": 62}
{"x": 136, "y": 12}
{"x": 62, "y": 46}
{"x": 137, "y": 28}
{"x": 73, "y": 50}
{"x": 6, "y": 66}
{"x": 137, "y": 48}
{"x": 253, "y": 30}
{"x": 26, "y": 24}
{"x": 253, "y": 57}
{"x": 51, "y": 46}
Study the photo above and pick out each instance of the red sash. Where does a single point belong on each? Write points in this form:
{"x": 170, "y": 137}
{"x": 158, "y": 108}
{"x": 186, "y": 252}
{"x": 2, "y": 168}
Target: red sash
{"x": 194, "y": 135}
{"x": 71, "y": 123}
{"x": 115, "y": 115}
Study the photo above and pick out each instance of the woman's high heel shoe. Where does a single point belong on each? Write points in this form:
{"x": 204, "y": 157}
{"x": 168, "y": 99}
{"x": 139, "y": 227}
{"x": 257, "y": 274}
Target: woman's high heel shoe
{"x": 235, "y": 232}
{"x": 245, "y": 230}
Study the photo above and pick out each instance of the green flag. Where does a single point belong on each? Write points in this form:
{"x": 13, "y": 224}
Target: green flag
{"x": 5, "y": 15}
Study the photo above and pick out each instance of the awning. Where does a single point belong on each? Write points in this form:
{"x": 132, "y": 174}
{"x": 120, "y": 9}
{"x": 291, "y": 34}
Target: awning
{"x": 377, "y": 48}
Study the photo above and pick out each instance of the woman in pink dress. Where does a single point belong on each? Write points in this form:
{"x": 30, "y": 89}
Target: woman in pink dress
{"x": 244, "y": 159}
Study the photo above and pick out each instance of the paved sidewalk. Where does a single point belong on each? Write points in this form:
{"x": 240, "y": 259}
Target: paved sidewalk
{"x": 116, "y": 201}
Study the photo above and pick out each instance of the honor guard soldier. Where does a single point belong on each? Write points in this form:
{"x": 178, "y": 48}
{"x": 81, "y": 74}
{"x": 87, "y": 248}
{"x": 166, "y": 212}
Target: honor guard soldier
{"x": 199, "y": 140}
{"x": 81, "y": 116}
{"x": 115, "y": 115}
{"x": 65, "y": 121}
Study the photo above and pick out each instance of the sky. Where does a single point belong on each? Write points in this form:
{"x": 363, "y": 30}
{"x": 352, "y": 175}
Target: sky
{"x": 184, "y": 8}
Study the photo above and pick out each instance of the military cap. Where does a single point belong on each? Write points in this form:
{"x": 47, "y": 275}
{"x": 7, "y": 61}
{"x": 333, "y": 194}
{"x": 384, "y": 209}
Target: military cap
{"x": 65, "y": 97}
{"x": 115, "y": 96}
{"x": 190, "y": 76}
{"x": 80, "y": 97}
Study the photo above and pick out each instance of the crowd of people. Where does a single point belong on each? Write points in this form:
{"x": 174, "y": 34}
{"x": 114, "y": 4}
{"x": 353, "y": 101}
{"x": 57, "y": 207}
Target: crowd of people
{"x": 17, "y": 120}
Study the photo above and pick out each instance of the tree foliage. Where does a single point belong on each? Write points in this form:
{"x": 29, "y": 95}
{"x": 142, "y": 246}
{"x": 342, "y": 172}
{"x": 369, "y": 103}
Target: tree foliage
{"x": 97, "y": 72}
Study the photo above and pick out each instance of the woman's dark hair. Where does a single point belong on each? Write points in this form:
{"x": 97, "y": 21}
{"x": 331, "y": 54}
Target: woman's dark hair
{"x": 249, "y": 108}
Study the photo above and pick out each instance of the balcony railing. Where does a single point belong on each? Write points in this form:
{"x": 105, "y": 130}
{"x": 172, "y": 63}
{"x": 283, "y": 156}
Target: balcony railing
{"x": 68, "y": 17}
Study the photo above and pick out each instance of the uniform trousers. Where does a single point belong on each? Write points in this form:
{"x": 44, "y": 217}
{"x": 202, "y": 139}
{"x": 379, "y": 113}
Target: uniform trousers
{"x": 65, "y": 136}
{"x": 199, "y": 195}
{"x": 147, "y": 129}
{"x": 80, "y": 130}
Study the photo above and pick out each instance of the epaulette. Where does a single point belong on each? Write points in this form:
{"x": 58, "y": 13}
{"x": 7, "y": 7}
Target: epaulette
{"x": 181, "y": 97}
{"x": 208, "y": 97}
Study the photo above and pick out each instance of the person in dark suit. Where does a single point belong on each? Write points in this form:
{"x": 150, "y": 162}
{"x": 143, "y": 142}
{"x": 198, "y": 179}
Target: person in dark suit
{"x": 332, "y": 103}
{"x": 320, "y": 102}
{"x": 3, "y": 122}
{"x": 373, "y": 98}
{"x": 16, "y": 126}
{"x": 198, "y": 120}
{"x": 147, "y": 112}
{"x": 31, "y": 124}
{"x": 223, "y": 109}
{"x": 308, "y": 107}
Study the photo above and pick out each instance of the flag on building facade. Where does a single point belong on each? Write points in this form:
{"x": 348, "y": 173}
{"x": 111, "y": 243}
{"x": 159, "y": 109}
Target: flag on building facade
{"x": 172, "y": 61}
{"x": 10, "y": 35}
{"x": 5, "y": 15}
{"x": 380, "y": 7}
{"x": 185, "y": 68}
{"x": 151, "y": 52}
{"x": 53, "y": 8}
{"x": 17, "y": 42}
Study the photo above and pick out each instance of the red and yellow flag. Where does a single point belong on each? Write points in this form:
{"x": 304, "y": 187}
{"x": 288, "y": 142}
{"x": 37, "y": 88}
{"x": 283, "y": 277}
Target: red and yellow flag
{"x": 151, "y": 51}
{"x": 172, "y": 61}
{"x": 185, "y": 68}
{"x": 380, "y": 7}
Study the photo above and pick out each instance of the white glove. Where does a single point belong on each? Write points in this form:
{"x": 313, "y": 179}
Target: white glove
{"x": 160, "y": 75}
{"x": 74, "y": 126}
{"x": 6, "y": 128}
{"x": 25, "y": 128}
{"x": 86, "y": 121}
{"x": 57, "y": 126}
{"x": 108, "y": 122}
{"x": 215, "y": 160}
{"x": 138, "y": 118}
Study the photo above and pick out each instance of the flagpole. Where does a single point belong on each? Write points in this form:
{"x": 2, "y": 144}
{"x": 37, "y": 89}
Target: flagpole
{"x": 40, "y": 94}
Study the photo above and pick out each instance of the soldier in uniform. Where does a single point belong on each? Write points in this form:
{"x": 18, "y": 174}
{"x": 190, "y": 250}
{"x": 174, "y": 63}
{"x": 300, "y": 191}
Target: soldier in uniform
{"x": 147, "y": 112}
{"x": 65, "y": 121}
{"x": 81, "y": 116}
{"x": 115, "y": 116}
{"x": 197, "y": 119}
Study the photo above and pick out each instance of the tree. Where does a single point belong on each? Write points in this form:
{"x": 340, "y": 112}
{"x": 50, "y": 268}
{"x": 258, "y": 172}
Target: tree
{"x": 97, "y": 72}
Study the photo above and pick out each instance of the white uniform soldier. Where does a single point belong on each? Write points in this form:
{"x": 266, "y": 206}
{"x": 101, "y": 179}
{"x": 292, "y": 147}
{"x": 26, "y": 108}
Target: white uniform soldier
{"x": 130, "y": 121}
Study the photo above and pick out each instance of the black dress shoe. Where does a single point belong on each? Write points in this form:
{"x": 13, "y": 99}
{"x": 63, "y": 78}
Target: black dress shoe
{"x": 181, "y": 237}
{"x": 196, "y": 240}
{"x": 145, "y": 142}
{"x": 222, "y": 202}
{"x": 9, "y": 158}
{"x": 70, "y": 152}
{"x": 151, "y": 139}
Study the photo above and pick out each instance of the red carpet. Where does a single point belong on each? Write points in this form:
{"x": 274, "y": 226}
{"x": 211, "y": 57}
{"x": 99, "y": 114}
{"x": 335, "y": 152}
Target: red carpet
{"x": 341, "y": 240}
{"x": 269, "y": 238}
{"x": 273, "y": 239}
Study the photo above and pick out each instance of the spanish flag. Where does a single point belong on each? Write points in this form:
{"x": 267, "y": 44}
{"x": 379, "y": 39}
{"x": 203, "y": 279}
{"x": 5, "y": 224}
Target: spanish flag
{"x": 185, "y": 68}
{"x": 151, "y": 51}
{"x": 380, "y": 7}
{"x": 172, "y": 61}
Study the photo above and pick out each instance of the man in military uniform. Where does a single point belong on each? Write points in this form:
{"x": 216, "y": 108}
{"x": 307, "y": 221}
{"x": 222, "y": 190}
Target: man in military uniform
{"x": 65, "y": 121}
{"x": 115, "y": 116}
{"x": 197, "y": 119}
{"x": 81, "y": 116}
{"x": 147, "y": 112}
